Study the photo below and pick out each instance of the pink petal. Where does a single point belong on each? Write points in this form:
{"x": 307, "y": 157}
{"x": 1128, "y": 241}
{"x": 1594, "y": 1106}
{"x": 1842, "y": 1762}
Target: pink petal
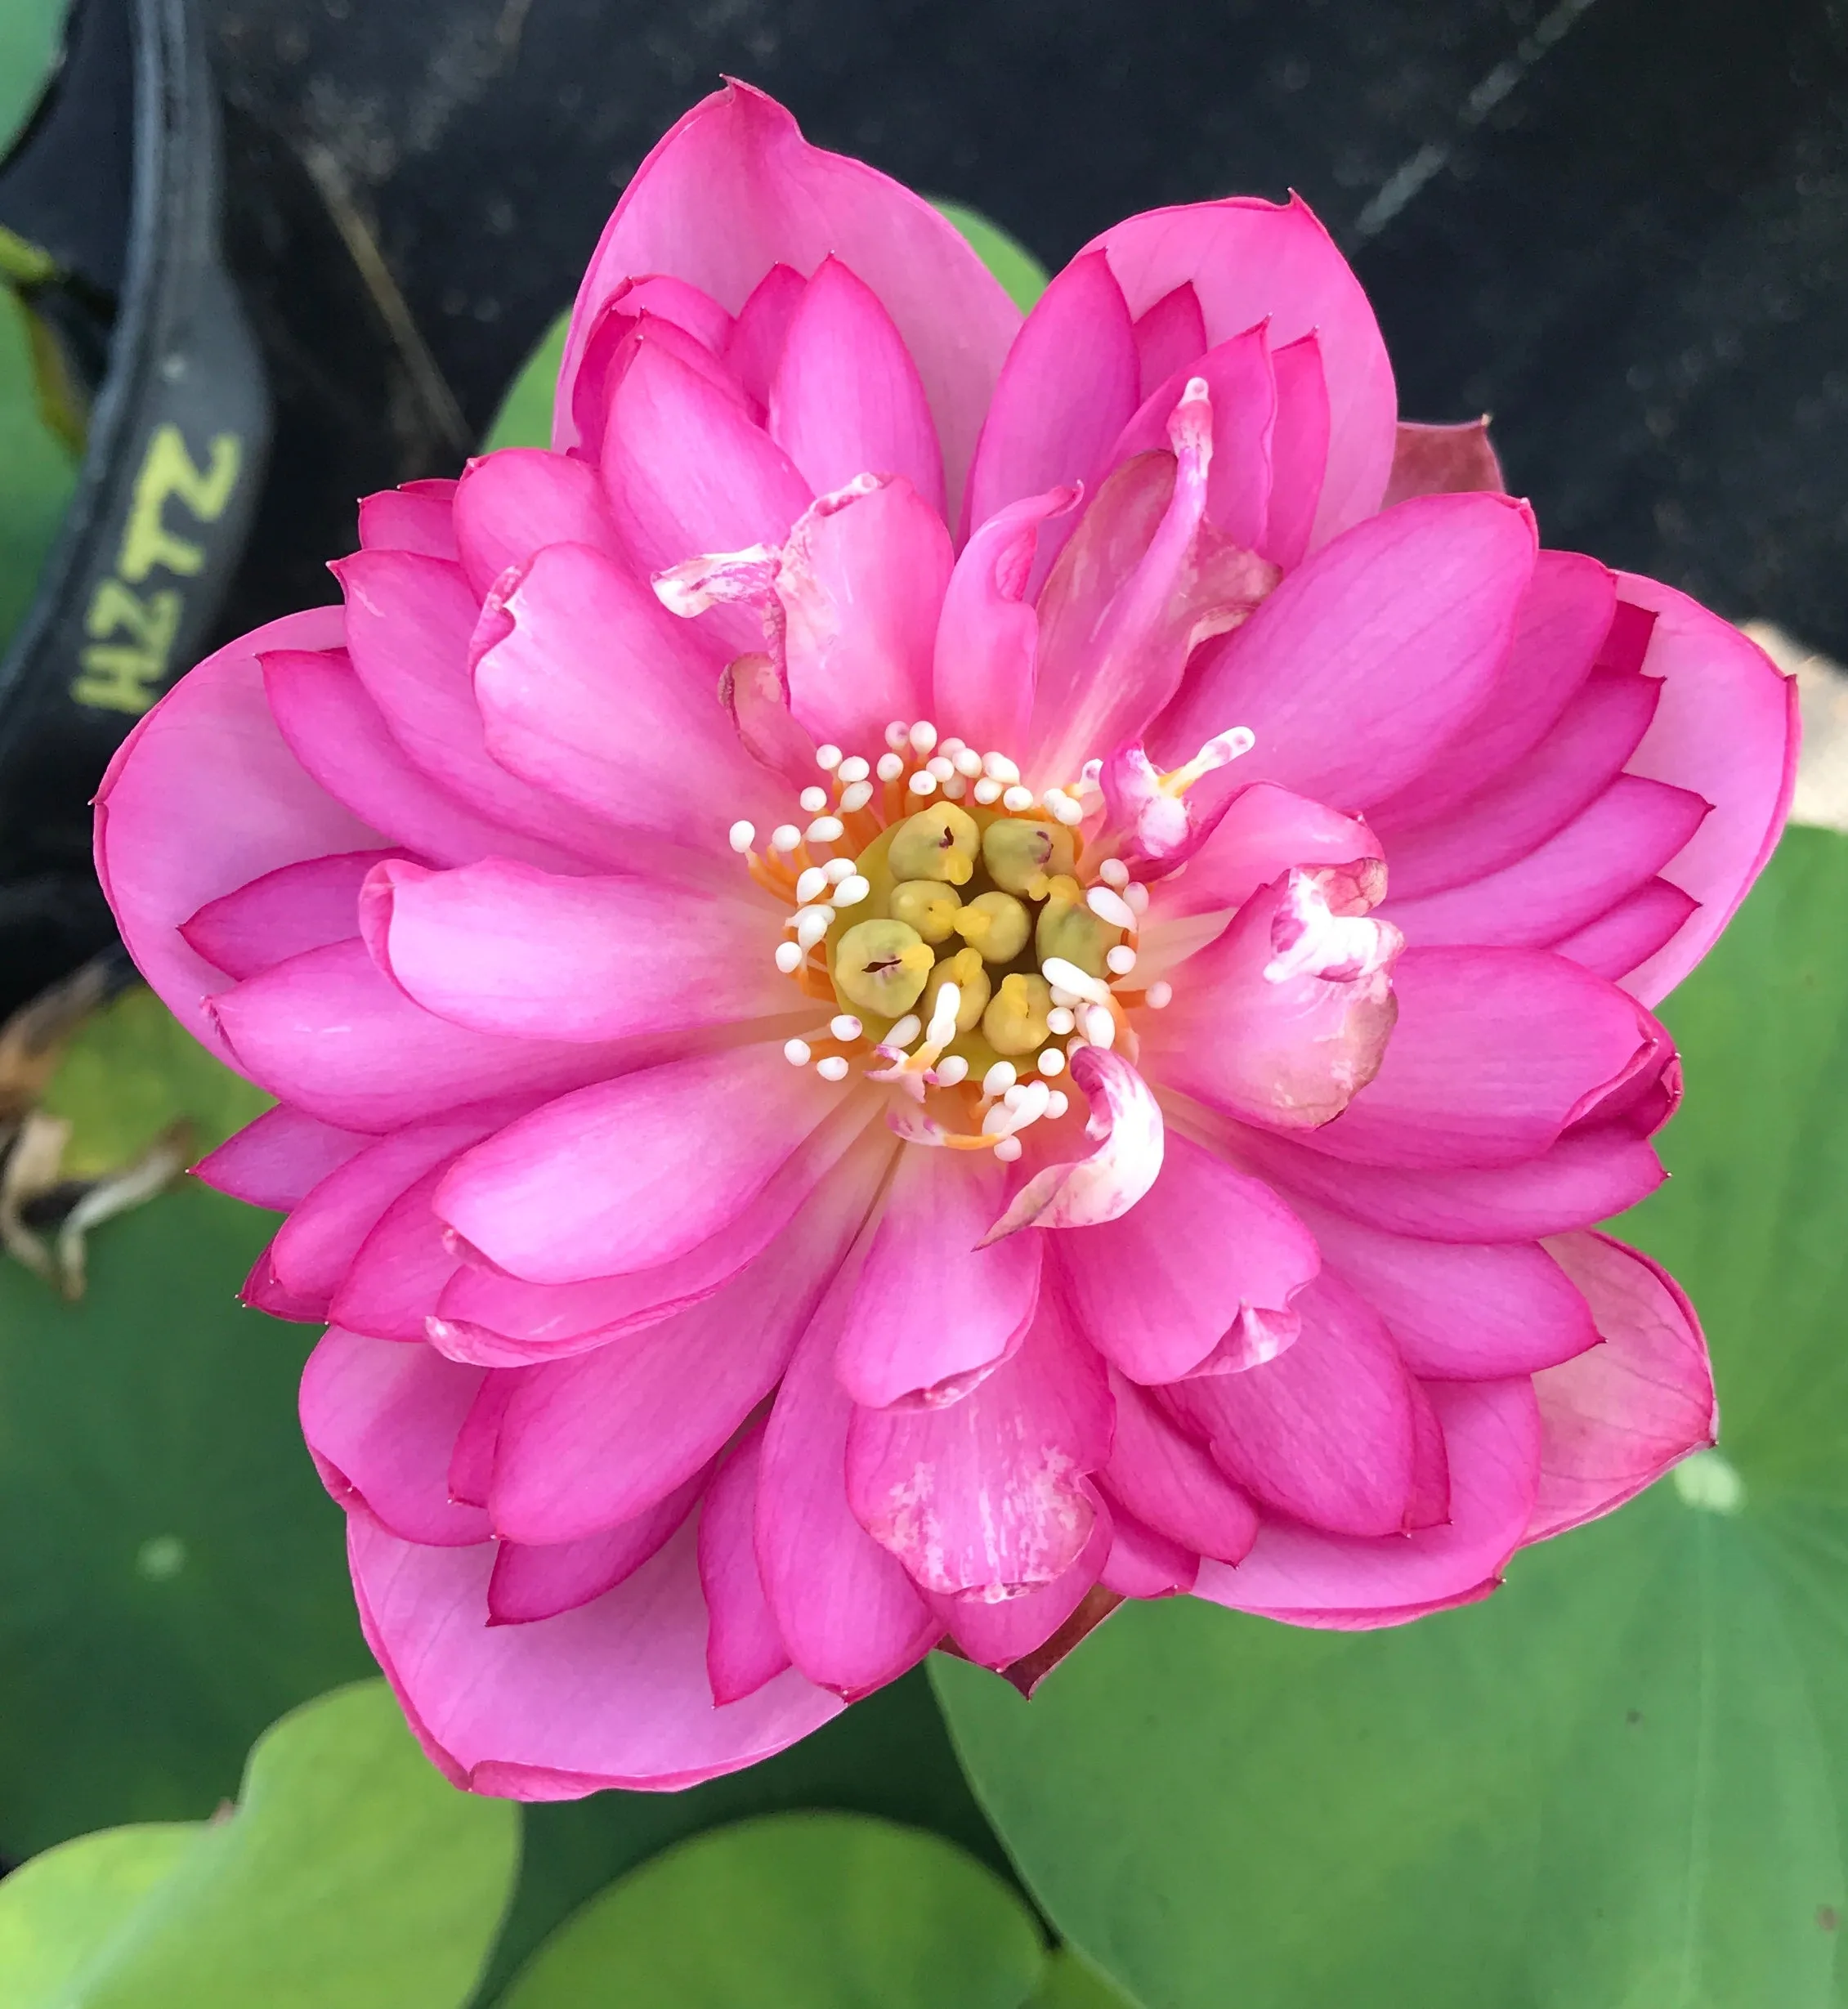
{"x": 1618, "y": 1417}
{"x": 733, "y": 190}
{"x": 1323, "y": 1432}
{"x": 1143, "y": 1564}
{"x": 1631, "y": 932}
{"x": 1070, "y": 383}
{"x": 634, "y": 1171}
{"x": 861, "y": 584}
{"x": 498, "y": 1321}
{"x": 755, "y": 345}
{"x": 598, "y": 696}
{"x": 1369, "y": 655}
{"x": 419, "y": 517}
{"x": 279, "y": 1159}
{"x": 503, "y": 948}
{"x": 166, "y": 843}
{"x": 988, "y": 1494}
{"x": 688, "y": 472}
{"x": 744, "y": 1649}
{"x": 593, "y": 1441}
{"x": 1610, "y": 852}
{"x": 1491, "y": 1440}
{"x": 1443, "y": 460}
{"x": 1531, "y": 801}
{"x": 381, "y": 1421}
{"x": 996, "y": 1634}
{"x": 1124, "y": 1127}
{"x": 935, "y": 1310}
{"x": 844, "y": 1607}
{"x": 409, "y": 622}
{"x": 329, "y": 1032}
{"x": 987, "y": 636}
{"x": 472, "y": 1462}
{"x": 847, "y": 399}
{"x": 399, "y": 1270}
{"x": 294, "y": 908}
{"x": 1460, "y": 1311}
{"x": 1250, "y": 261}
{"x": 1207, "y": 1256}
{"x": 1495, "y": 1052}
{"x": 1263, "y": 832}
{"x": 1561, "y": 634}
{"x": 1170, "y": 1484}
{"x": 615, "y": 340}
{"x": 1726, "y": 729}
{"x": 1168, "y": 336}
{"x": 514, "y": 503}
{"x": 1299, "y": 451}
{"x": 614, "y": 1693}
{"x": 530, "y": 1583}
{"x": 1285, "y": 1017}
{"x": 341, "y": 738}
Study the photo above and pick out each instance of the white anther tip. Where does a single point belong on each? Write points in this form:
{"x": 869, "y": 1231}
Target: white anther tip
{"x": 825, "y": 831}
{"x": 742, "y": 835}
{"x": 798, "y": 1052}
{"x": 851, "y": 891}
{"x": 999, "y": 1079}
{"x": 1064, "y": 809}
{"x": 1113, "y": 872}
{"x": 855, "y": 796}
{"x": 852, "y": 769}
{"x": 789, "y": 957}
{"x": 827, "y": 757}
{"x": 833, "y": 1068}
{"x": 1059, "y": 1020}
{"x": 987, "y": 792}
{"x": 811, "y": 884}
{"x": 941, "y": 769}
{"x": 1017, "y": 798}
{"x": 951, "y": 1070}
{"x": 923, "y": 782}
{"x": 1064, "y": 976}
{"x": 969, "y": 761}
{"x": 1160, "y": 996}
{"x": 1100, "y": 1028}
{"x": 1051, "y": 1061}
{"x": 891, "y": 766}
{"x": 998, "y": 768}
{"x": 838, "y": 868}
{"x": 922, "y": 736}
{"x": 1057, "y": 1104}
{"x": 898, "y": 734}
{"x": 814, "y": 800}
{"x": 1109, "y": 905}
{"x": 906, "y": 1030}
{"x": 1120, "y": 960}
{"x": 844, "y": 1025}
{"x": 1137, "y": 894}
{"x": 785, "y": 837}
{"x": 1008, "y": 1149}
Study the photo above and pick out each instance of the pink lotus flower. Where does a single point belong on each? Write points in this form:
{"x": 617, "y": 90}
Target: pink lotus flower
{"x": 849, "y": 1078}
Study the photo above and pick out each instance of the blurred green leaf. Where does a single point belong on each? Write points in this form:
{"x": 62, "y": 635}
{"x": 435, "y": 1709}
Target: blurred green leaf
{"x": 1618, "y": 1784}
{"x": 797, "y": 1911}
{"x": 1070, "y": 1984}
{"x": 1012, "y": 263}
{"x": 174, "y": 1576}
{"x": 37, "y": 474}
{"x": 524, "y": 416}
{"x": 29, "y": 34}
{"x": 352, "y": 1876}
{"x": 886, "y": 1756}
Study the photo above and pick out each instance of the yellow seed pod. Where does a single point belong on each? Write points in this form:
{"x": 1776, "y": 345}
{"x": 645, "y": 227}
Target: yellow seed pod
{"x": 940, "y": 842}
{"x": 882, "y": 966}
{"x": 1015, "y": 1021}
{"x": 965, "y": 971}
{"x": 927, "y": 905}
{"x": 1017, "y": 853}
{"x": 1067, "y": 927}
{"x": 996, "y": 924}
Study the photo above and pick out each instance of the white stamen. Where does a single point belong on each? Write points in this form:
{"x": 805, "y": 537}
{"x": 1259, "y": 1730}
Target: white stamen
{"x": 891, "y": 766}
{"x": 1060, "y": 1021}
{"x": 1017, "y": 798}
{"x": 810, "y": 885}
{"x": 1120, "y": 960}
{"x": 897, "y": 734}
{"x": 833, "y": 1068}
{"x": 1063, "y": 1000}
{"x": 1091, "y": 775}
{"x": 1009, "y": 1149}
{"x": 785, "y": 837}
{"x": 923, "y": 782}
{"x": 987, "y": 792}
{"x": 923, "y": 736}
{"x": 999, "y": 1079}
{"x": 1051, "y": 1061}
{"x": 1100, "y": 1028}
{"x": 743, "y": 836}
{"x": 1137, "y": 894}
{"x": 798, "y": 1052}
{"x": 1066, "y": 976}
{"x": 943, "y": 1015}
{"x": 1113, "y": 872}
{"x": 969, "y": 761}
{"x": 951, "y": 747}
{"x": 1057, "y": 1102}
{"x": 955, "y": 789}
{"x": 1066, "y": 808}
{"x": 951, "y": 1070}
{"x": 789, "y": 957}
{"x": 1158, "y": 996}
{"x": 852, "y": 769}
{"x": 851, "y": 891}
{"x": 844, "y": 1025}
{"x": 837, "y": 869}
{"x": 906, "y": 1030}
{"x": 998, "y": 768}
{"x": 1015, "y": 1098}
{"x": 855, "y": 795}
{"x": 825, "y": 831}
{"x": 1110, "y": 905}
{"x": 814, "y": 800}
{"x": 944, "y": 770}
{"x": 827, "y": 757}
{"x": 811, "y": 923}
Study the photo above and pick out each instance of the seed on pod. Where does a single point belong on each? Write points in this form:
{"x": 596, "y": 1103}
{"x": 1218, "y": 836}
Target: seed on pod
{"x": 940, "y": 842}
{"x": 882, "y": 966}
{"x": 1068, "y": 928}
{"x": 1021, "y": 856}
{"x": 927, "y": 905}
{"x": 964, "y": 970}
{"x": 1015, "y": 1021}
{"x": 996, "y": 924}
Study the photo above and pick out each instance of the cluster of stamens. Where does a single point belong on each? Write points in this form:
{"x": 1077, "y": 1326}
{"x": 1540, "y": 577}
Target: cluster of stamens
{"x": 968, "y": 938}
